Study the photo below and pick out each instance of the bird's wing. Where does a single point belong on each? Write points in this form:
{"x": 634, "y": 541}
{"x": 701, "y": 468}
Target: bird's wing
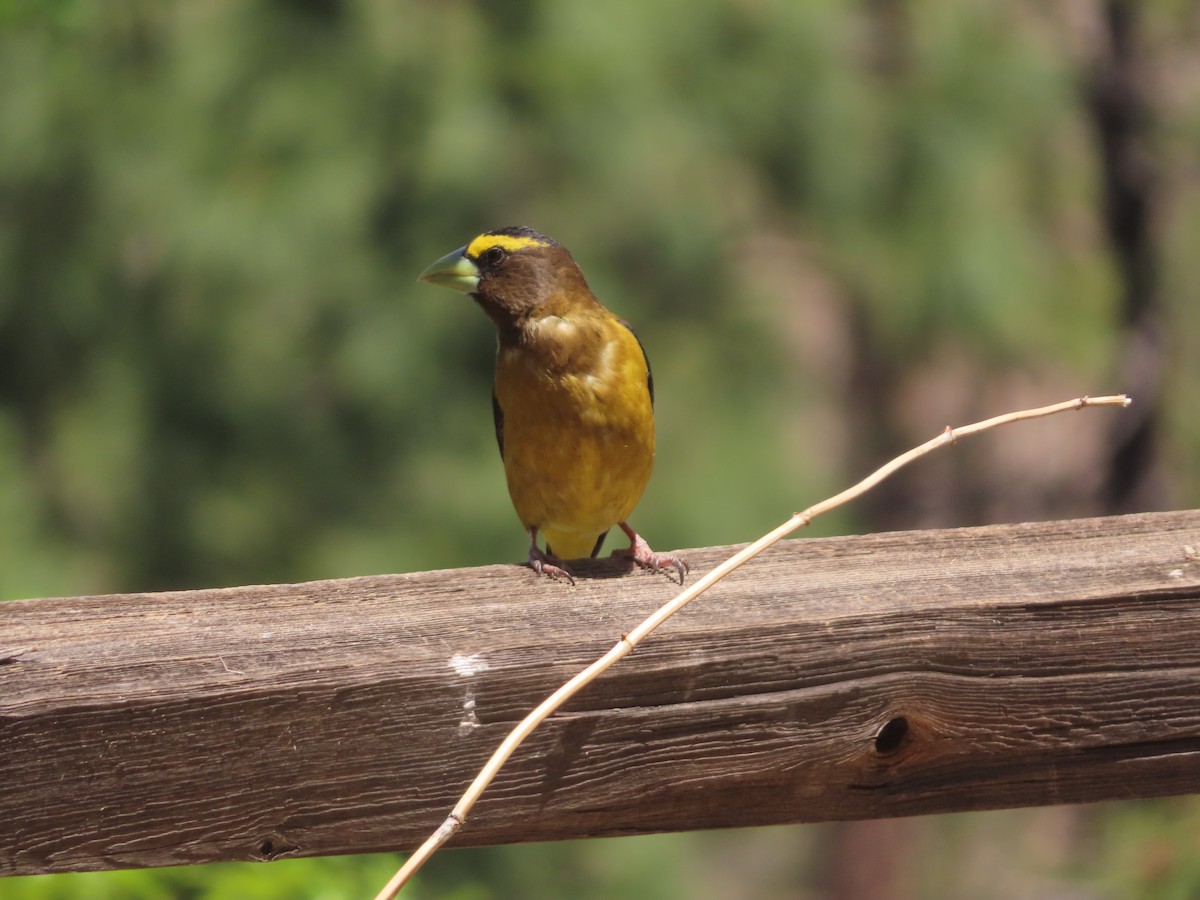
{"x": 498, "y": 418}
{"x": 650, "y": 388}
{"x": 649, "y": 373}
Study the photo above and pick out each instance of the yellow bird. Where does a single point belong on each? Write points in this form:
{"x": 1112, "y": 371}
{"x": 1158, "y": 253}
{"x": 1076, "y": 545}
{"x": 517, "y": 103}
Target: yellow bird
{"x": 573, "y": 399}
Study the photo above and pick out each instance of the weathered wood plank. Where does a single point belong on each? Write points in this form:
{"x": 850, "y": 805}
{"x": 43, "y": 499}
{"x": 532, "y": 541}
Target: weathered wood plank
{"x": 854, "y": 677}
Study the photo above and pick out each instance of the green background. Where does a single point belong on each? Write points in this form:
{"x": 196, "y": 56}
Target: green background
{"x": 837, "y": 227}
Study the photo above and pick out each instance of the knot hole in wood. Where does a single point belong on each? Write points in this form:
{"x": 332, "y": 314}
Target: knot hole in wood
{"x": 269, "y": 850}
{"x": 892, "y": 736}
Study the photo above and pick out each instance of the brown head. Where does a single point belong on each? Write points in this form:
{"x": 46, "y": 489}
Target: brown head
{"x": 514, "y": 274}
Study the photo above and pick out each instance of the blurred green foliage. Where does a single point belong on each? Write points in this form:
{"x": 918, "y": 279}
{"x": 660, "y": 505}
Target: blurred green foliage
{"x": 216, "y": 368}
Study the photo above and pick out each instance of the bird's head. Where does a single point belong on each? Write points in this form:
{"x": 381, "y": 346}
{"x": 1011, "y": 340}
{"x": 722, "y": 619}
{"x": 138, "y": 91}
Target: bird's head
{"x": 514, "y": 273}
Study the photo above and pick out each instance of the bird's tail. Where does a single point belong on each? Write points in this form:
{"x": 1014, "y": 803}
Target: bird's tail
{"x": 599, "y": 544}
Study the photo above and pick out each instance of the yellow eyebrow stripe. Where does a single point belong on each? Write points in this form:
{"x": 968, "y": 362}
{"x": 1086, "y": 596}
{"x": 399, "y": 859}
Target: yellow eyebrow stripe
{"x": 508, "y": 242}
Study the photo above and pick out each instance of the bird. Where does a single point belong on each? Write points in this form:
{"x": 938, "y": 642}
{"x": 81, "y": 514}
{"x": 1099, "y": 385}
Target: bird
{"x": 573, "y": 399}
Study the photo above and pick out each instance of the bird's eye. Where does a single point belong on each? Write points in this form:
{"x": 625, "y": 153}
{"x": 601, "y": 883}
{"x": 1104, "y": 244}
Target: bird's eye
{"x": 493, "y": 256}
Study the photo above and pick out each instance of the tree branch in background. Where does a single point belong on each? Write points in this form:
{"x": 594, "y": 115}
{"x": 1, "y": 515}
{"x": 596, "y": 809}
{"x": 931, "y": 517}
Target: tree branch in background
{"x": 1120, "y": 112}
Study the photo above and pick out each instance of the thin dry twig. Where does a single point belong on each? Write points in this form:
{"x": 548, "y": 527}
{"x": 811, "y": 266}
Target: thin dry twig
{"x": 629, "y": 641}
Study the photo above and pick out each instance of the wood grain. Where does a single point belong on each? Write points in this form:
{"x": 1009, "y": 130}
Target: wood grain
{"x": 843, "y": 678}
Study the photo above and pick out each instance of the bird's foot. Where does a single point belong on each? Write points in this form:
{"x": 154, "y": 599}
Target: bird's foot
{"x": 639, "y": 551}
{"x": 545, "y": 564}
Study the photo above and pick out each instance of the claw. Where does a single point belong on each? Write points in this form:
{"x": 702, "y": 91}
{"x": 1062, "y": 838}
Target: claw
{"x": 639, "y": 551}
{"x": 544, "y": 563}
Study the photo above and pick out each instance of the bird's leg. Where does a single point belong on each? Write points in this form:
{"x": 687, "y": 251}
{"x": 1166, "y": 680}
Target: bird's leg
{"x": 639, "y": 551}
{"x": 544, "y": 563}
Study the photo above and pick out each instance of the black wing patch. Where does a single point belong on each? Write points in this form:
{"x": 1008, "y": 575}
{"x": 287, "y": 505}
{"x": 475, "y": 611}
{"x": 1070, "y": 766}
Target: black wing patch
{"x": 498, "y": 418}
{"x": 649, "y": 373}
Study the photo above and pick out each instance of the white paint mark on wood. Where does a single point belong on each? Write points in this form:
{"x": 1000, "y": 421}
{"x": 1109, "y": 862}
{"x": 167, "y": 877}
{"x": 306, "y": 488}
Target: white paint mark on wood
{"x": 468, "y": 666}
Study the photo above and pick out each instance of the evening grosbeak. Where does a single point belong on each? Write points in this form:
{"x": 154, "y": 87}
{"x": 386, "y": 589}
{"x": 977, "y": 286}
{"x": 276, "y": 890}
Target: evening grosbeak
{"x": 573, "y": 399}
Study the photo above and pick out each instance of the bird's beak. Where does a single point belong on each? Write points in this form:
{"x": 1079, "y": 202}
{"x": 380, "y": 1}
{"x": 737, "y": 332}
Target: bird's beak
{"x": 455, "y": 271}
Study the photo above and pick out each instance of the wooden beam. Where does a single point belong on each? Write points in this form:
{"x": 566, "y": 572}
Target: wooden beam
{"x": 842, "y": 678}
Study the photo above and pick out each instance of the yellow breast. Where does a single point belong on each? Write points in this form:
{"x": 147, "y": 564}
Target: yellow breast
{"x": 578, "y": 427}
